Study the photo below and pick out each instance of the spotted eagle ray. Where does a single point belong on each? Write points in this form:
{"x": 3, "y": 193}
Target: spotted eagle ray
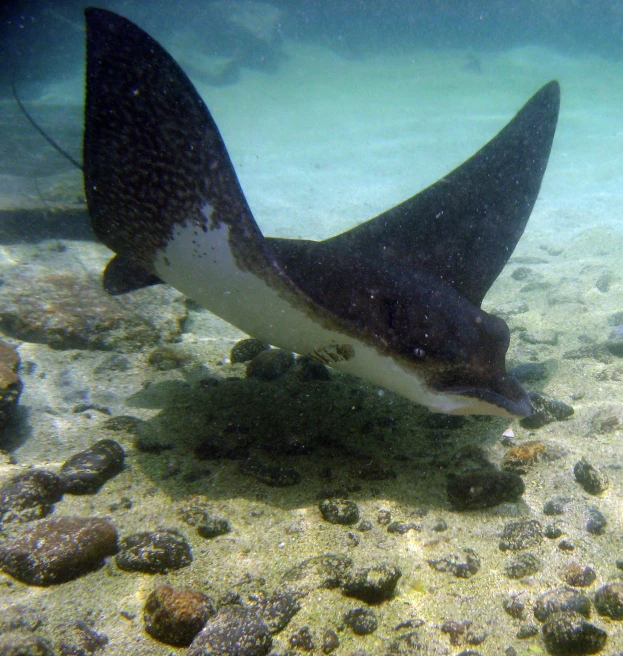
{"x": 395, "y": 301}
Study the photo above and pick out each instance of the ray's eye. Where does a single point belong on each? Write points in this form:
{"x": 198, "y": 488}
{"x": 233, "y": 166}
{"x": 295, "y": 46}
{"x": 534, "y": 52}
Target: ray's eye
{"x": 419, "y": 353}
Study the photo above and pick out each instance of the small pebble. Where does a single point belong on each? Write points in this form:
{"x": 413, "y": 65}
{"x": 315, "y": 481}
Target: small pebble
{"x": 561, "y": 599}
{"x": 384, "y": 517}
{"x": 483, "y": 488}
{"x": 514, "y": 607}
{"x": 278, "y": 609}
{"x": 174, "y": 616}
{"x": 51, "y": 551}
{"x": 330, "y": 641}
{"x": 154, "y": 552}
{"x": 521, "y": 535}
{"x": 609, "y": 600}
{"x": 570, "y": 634}
{"x": 362, "y": 621}
{"x": 339, "y": 511}
{"x": 590, "y": 478}
{"x": 247, "y": 349}
{"x": 29, "y": 495}
{"x": 523, "y": 565}
{"x": 233, "y": 631}
{"x": 527, "y": 630}
{"x": 461, "y": 567}
{"x": 552, "y": 532}
{"x": 555, "y": 506}
{"x": 402, "y": 527}
{"x": 302, "y": 639}
{"x": 566, "y": 545}
{"x": 212, "y": 528}
{"x": 270, "y": 365}
{"x": 577, "y": 576}
{"x": 86, "y": 471}
{"x": 597, "y": 522}
{"x": 372, "y": 584}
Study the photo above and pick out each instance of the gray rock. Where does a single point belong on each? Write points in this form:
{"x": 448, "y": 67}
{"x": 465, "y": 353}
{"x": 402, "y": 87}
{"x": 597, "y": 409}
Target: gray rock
{"x": 325, "y": 571}
{"x": 521, "y": 535}
{"x": 590, "y": 478}
{"x": 154, "y": 552}
{"x": 233, "y": 631}
{"x": 523, "y": 565}
{"x": 545, "y": 411}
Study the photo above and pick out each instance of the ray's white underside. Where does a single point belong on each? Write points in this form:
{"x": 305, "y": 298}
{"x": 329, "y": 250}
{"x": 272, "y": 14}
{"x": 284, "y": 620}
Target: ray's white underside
{"x": 200, "y": 265}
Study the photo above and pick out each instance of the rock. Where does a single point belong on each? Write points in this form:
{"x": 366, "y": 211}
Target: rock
{"x": 609, "y": 600}
{"x": 523, "y": 565}
{"x": 10, "y": 383}
{"x": 521, "y": 535}
{"x": 278, "y": 609}
{"x": 570, "y": 634}
{"x": 577, "y": 576}
{"x": 372, "y": 584}
{"x": 561, "y": 599}
{"x": 302, "y": 639}
{"x": 174, "y": 616}
{"x": 549, "y": 337}
{"x": 614, "y": 343}
{"x": 597, "y": 521}
{"x": 545, "y": 411}
{"x": 79, "y": 639}
{"x": 22, "y": 643}
{"x": 483, "y": 488}
{"x": 67, "y": 311}
{"x": 233, "y": 631}
{"x": 166, "y": 359}
{"x": 339, "y": 511}
{"x": 552, "y": 532}
{"x": 270, "y": 365}
{"x": 29, "y": 495}
{"x": 247, "y": 349}
{"x": 530, "y": 372}
{"x": 403, "y": 527}
{"x": 527, "y": 630}
{"x": 154, "y": 552}
{"x": 330, "y": 641}
{"x": 86, "y": 471}
{"x": 52, "y": 551}
{"x": 308, "y": 369}
{"x": 462, "y": 568}
{"x": 556, "y": 506}
{"x": 590, "y": 478}
{"x": 325, "y": 571}
{"x": 212, "y": 528}
{"x": 271, "y": 475}
{"x": 362, "y": 621}
{"x": 520, "y": 458}
{"x": 514, "y": 607}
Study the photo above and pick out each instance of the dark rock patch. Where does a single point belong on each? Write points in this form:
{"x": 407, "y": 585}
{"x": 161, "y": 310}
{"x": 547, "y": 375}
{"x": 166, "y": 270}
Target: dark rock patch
{"x": 86, "y": 471}
{"x": 270, "y": 475}
{"x": 570, "y": 634}
{"x": 609, "y": 600}
{"x": 330, "y": 641}
{"x": 614, "y": 343}
{"x": 590, "y": 478}
{"x": 232, "y": 631}
{"x": 545, "y": 411}
{"x": 247, "y": 349}
{"x": 523, "y": 565}
{"x": 174, "y": 616}
{"x": 461, "y": 567}
{"x": 483, "y": 488}
{"x": 361, "y": 621}
{"x": 79, "y": 639}
{"x": 154, "y": 552}
{"x": 29, "y": 495}
{"x": 578, "y": 576}
{"x": 325, "y": 571}
{"x": 372, "y": 584}
{"x": 302, "y": 639}
{"x": 53, "y": 551}
{"x": 23, "y": 643}
{"x": 339, "y": 511}
{"x": 213, "y": 527}
{"x": 270, "y": 365}
{"x": 597, "y": 522}
{"x": 517, "y": 536}
{"x": 278, "y": 609}
{"x": 561, "y": 599}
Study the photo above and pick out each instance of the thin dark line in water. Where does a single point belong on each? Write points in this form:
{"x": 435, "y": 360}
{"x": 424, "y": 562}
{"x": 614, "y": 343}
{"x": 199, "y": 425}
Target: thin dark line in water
{"x": 51, "y": 141}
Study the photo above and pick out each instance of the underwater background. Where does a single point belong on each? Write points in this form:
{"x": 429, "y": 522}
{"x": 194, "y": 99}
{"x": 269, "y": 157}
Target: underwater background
{"x": 308, "y": 510}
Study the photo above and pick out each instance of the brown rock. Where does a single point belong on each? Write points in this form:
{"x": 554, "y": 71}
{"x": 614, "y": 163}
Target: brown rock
{"x": 521, "y": 457}
{"x": 175, "y": 617}
{"x": 56, "y": 550}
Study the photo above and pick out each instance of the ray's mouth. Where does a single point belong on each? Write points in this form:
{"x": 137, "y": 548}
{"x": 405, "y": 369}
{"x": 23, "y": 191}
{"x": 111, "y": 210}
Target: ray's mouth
{"x": 513, "y": 399}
